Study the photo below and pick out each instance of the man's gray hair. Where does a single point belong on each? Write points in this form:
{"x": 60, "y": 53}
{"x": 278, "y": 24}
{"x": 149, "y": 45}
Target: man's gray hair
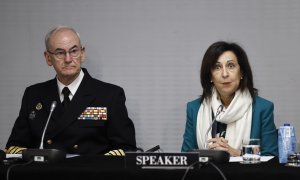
{"x": 55, "y": 30}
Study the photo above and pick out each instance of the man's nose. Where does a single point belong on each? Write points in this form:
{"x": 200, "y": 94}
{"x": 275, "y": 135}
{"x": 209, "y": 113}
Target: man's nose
{"x": 68, "y": 57}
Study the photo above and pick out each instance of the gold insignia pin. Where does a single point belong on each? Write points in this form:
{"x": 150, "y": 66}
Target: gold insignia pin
{"x": 38, "y": 106}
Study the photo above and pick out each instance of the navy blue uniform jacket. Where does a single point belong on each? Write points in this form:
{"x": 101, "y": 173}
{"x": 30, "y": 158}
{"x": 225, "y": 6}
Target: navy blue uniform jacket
{"x": 65, "y": 131}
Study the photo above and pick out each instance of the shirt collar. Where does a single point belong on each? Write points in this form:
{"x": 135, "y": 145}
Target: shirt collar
{"x": 72, "y": 87}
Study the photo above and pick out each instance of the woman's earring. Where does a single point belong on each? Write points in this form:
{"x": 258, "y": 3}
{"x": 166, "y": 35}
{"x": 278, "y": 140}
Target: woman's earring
{"x": 241, "y": 77}
{"x": 211, "y": 81}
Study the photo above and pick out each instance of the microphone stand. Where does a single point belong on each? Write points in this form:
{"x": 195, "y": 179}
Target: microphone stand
{"x": 207, "y": 155}
{"x": 41, "y": 154}
{"x": 219, "y": 110}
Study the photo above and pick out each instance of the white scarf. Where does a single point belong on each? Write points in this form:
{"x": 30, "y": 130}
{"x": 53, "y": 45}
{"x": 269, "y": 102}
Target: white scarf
{"x": 237, "y": 116}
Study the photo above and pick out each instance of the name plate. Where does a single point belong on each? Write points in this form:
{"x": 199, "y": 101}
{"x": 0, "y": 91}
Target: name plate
{"x": 144, "y": 160}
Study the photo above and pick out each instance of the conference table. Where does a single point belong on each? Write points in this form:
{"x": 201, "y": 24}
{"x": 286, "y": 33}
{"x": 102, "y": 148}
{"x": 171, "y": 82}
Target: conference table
{"x": 112, "y": 167}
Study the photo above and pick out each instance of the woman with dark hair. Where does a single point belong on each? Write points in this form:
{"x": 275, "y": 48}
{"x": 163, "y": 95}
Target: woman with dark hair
{"x": 230, "y": 99}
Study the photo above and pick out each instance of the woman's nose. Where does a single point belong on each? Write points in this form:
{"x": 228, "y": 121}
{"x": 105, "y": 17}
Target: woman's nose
{"x": 224, "y": 72}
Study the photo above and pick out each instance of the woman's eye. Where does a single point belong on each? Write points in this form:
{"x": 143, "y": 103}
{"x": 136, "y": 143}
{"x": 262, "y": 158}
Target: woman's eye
{"x": 217, "y": 67}
{"x": 231, "y": 66}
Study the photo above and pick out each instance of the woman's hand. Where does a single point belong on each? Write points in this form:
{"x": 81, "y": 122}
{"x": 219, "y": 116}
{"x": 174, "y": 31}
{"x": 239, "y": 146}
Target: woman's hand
{"x": 219, "y": 143}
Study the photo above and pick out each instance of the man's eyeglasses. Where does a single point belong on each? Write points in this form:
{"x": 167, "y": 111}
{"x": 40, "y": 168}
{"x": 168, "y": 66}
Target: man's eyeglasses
{"x": 61, "y": 54}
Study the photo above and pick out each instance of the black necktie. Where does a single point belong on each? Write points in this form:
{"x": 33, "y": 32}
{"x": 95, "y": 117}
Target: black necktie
{"x": 66, "y": 92}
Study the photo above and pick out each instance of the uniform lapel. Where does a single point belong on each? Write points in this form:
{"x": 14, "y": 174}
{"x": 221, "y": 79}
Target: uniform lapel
{"x": 50, "y": 94}
{"x": 82, "y": 98}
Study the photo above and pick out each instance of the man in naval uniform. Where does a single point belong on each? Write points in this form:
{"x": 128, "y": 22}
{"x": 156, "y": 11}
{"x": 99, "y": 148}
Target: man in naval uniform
{"x": 90, "y": 116}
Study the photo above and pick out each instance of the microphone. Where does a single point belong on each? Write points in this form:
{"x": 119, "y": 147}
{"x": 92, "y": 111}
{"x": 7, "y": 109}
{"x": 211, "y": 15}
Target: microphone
{"x": 219, "y": 110}
{"x": 41, "y": 154}
{"x": 53, "y": 106}
{"x": 153, "y": 149}
{"x": 206, "y": 155}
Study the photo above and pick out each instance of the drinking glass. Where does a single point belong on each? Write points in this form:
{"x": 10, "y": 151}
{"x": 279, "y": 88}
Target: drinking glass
{"x": 251, "y": 151}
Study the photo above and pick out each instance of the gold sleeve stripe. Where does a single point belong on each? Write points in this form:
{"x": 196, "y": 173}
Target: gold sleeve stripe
{"x": 14, "y": 150}
{"x": 112, "y": 153}
{"x": 121, "y": 152}
{"x": 20, "y": 150}
{"x": 11, "y": 150}
{"x": 116, "y": 152}
{"x": 17, "y": 150}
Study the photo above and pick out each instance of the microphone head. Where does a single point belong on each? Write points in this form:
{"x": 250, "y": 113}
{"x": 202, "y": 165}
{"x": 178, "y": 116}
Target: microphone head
{"x": 53, "y": 105}
{"x": 220, "y": 108}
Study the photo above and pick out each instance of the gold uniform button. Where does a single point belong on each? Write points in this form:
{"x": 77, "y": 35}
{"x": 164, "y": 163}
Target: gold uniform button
{"x": 49, "y": 141}
{"x": 75, "y": 146}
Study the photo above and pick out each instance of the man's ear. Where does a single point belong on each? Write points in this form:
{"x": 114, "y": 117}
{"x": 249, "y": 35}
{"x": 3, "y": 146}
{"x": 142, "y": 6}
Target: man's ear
{"x": 47, "y": 58}
{"x": 82, "y": 55}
